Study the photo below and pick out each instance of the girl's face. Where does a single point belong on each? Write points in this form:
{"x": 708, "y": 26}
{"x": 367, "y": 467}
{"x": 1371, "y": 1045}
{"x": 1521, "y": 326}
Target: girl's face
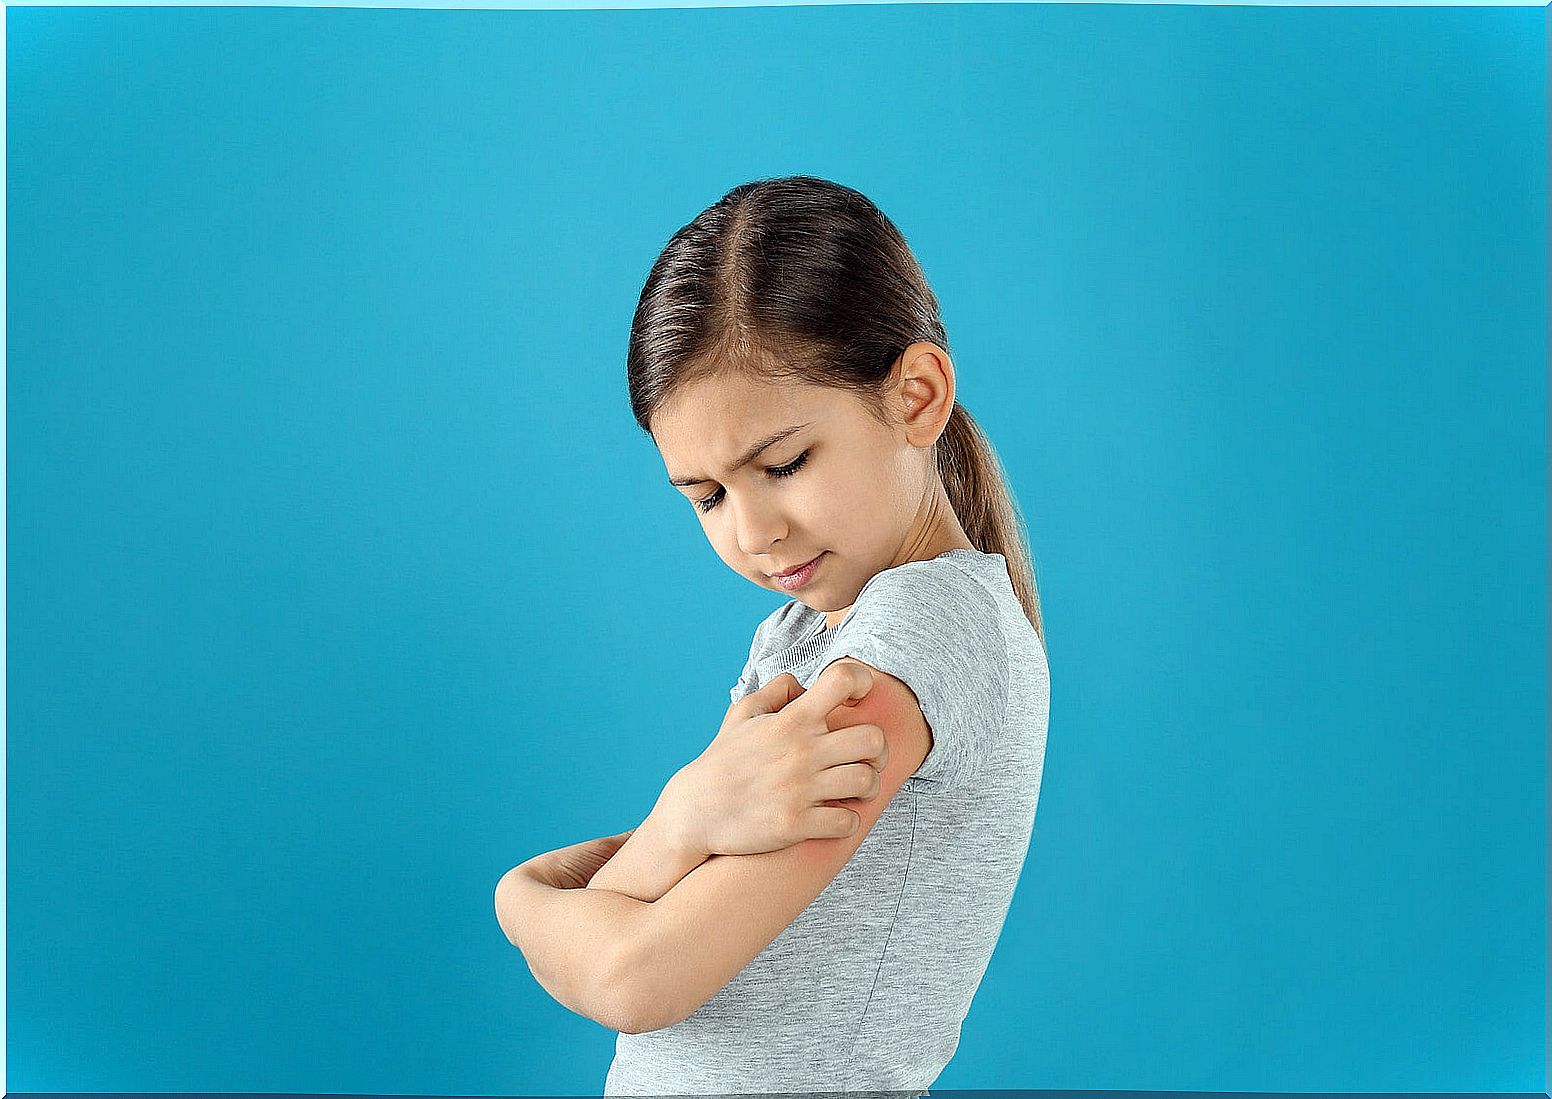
{"x": 823, "y": 479}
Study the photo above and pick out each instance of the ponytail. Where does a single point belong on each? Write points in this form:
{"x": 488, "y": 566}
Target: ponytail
{"x": 977, "y": 488}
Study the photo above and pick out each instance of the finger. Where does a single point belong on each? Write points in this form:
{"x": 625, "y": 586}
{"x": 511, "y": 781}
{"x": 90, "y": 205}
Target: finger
{"x": 853, "y": 744}
{"x": 842, "y": 682}
{"x": 829, "y": 822}
{"x": 774, "y": 695}
{"x": 849, "y": 780}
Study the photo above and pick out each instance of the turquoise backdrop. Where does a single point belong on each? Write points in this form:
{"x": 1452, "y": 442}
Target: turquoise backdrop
{"x": 340, "y": 579}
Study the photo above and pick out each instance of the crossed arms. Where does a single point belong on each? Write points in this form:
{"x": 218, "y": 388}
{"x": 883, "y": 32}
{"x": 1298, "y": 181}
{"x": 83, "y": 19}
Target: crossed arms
{"x": 637, "y": 936}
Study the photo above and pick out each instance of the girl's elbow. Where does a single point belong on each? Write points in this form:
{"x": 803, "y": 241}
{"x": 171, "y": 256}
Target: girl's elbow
{"x": 643, "y": 1017}
{"x": 636, "y": 996}
{"x": 601, "y": 995}
{"x": 505, "y": 917}
{"x": 621, "y": 1016}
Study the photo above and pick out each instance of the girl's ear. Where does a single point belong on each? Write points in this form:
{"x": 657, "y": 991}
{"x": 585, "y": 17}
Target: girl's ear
{"x": 927, "y": 392}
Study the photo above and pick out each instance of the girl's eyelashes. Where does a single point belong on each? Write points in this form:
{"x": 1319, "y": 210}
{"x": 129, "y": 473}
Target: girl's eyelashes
{"x": 787, "y": 470}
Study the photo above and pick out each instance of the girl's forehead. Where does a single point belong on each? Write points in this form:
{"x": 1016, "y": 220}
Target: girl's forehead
{"x": 734, "y": 406}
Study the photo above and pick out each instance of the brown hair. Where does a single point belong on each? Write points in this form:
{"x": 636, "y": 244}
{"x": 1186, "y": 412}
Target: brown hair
{"x": 804, "y": 279}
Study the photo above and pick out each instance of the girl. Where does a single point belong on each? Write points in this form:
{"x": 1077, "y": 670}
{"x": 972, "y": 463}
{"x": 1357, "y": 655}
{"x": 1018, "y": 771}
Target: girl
{"x": 812, "y": 903}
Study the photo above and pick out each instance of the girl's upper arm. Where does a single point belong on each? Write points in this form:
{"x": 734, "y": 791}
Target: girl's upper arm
{"x": 704, "y": 930}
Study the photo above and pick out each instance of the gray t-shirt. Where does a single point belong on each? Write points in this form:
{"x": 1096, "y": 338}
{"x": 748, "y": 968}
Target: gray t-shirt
{"x": 867, "y": 988}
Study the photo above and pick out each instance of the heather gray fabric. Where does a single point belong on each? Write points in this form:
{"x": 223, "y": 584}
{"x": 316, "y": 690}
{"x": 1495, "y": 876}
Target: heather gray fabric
{"x": 866, "y": 990}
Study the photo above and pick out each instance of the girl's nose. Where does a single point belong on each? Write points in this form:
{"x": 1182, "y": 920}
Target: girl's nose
{"x": 757, "y": 530}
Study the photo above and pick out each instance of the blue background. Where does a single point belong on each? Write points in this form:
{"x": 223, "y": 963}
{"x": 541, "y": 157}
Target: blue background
{"x": 341, "y": 579}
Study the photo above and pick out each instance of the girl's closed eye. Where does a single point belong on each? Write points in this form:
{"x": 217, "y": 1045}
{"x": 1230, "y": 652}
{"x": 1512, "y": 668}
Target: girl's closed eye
{"x": 777, "y": 471}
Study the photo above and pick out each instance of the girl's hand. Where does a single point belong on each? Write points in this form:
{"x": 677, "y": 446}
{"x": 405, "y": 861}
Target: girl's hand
{"x": 780, "y": 768}
{"x": 573, "y": 867}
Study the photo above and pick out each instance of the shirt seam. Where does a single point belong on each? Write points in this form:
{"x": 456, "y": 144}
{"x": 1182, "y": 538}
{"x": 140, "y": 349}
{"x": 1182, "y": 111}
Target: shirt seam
{"x": 894, "y": 920}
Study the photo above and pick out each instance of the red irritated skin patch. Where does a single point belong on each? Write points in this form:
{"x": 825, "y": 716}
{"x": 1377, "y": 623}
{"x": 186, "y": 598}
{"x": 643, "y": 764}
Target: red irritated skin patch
{"x": 892, "y": 706}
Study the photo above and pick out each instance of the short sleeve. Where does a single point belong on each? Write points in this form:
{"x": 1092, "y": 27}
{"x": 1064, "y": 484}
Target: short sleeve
{"x": 749, "y": 678}
{"x": 939, "y": 631}
{"x": 747, "y": 681}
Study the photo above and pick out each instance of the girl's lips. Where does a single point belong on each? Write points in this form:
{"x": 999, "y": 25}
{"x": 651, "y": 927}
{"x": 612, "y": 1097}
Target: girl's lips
{"x": 801, "y": 576}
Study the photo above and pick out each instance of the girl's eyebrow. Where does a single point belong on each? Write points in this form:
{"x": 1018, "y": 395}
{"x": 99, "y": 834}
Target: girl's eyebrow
{"x": 749, "y": 455}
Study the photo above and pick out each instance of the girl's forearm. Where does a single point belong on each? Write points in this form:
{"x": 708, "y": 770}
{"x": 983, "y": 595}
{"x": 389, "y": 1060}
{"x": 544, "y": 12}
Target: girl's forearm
{"x": 651, "y": 862}
{"x": 575, "y": 942}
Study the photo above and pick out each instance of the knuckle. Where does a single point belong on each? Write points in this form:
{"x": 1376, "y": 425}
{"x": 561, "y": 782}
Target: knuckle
{"x": 850, "y": 671}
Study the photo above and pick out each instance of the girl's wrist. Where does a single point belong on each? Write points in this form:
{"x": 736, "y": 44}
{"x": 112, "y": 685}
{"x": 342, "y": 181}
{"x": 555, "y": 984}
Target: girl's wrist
{"x": 650, "y": 863}
{"x": 675, "y": 825}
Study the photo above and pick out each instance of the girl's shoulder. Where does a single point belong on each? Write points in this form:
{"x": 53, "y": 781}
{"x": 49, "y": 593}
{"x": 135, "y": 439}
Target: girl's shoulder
{"x": 965, "y": 584}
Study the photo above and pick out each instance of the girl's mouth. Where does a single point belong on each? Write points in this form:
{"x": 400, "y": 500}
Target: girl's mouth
{"x": 802, "y": 576}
